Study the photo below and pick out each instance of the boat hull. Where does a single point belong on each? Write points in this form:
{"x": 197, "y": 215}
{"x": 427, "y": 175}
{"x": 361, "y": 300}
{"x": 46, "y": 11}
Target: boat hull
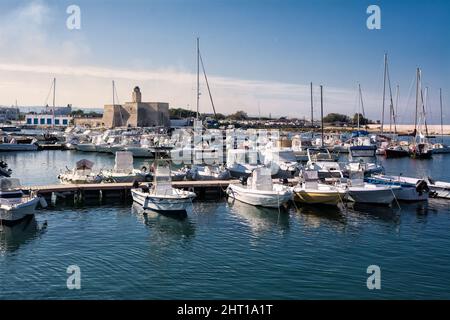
{"x": 88, "y": 147}
{"x": 17, "y": 147}
{"x": 18, "y": 212}
{"x": 389, "y": 153}
{"x": 140, "y": 152}
{"x": 161, "y": 204}
{"x": 268, "y": 199}
{"x": 382, "y": 196}
{"x": 317, "y": 197}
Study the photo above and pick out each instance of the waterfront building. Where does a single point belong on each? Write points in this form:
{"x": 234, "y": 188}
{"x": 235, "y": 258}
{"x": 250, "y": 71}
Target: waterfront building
{"x": 136, "y": 113}
{"x": 9, "y": 114}
{"x": 47, "y": 120}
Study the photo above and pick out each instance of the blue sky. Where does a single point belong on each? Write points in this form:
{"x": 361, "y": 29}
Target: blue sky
{"x": 256, "y": 52}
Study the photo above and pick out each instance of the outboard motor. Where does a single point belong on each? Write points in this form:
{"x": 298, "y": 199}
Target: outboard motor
{"x": 243, "y": 180}
{"x": 422, "y": 186}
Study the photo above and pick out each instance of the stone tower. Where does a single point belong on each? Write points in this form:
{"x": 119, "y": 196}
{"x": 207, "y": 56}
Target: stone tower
{"x": 137, "y": 98}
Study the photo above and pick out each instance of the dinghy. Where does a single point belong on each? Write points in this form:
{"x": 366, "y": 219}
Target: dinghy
{"x": 259, "y": 190}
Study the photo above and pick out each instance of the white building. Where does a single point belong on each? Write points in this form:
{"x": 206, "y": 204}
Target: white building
{"x": 8, "y": 114}
{"x": 47, "y": 120}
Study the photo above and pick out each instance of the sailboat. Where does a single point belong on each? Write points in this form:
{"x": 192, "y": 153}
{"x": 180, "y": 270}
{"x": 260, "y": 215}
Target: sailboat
{"x": 161, "y": 196}
{"x": 441, "y": 147}
{"x": 420, "y": 148}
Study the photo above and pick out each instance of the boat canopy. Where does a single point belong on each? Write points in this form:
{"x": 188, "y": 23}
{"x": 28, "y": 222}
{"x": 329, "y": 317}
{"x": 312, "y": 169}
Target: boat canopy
{"x": 84, "y": 164}
{"x": 8, "y": 184}
{"x": 162, "y": 180}
{"x": 261, "y": 179}
{"x": 124, "y": 161}
{"x": 359, "y": 133}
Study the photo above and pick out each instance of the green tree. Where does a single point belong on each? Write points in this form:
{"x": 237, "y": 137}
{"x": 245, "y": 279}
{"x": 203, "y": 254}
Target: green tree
{"x": 362, "y": 120}
{"x": 336, "y": 117}
{"x": 238, "y": 115}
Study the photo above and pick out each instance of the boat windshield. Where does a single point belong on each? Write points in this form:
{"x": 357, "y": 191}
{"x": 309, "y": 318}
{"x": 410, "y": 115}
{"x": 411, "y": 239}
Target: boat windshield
{"x": 287, "y": 156}
{"x": 319, "y": 155}
{"x": 9, "y": 184}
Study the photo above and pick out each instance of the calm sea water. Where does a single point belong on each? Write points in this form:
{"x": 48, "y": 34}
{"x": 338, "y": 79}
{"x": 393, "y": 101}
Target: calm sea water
{"x": 225, "y": 250}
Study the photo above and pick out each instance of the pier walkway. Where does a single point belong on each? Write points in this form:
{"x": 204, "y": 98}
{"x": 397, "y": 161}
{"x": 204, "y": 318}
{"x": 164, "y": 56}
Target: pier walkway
{"x": 81, "y": 192}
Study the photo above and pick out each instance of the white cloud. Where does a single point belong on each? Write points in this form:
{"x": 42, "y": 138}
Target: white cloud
{"x": 30, "y": 58}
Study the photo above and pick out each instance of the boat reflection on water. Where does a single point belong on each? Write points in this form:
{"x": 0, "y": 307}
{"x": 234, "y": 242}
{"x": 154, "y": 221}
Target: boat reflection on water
{"x": 260, "y": 219}
{"x": 178, "y": 226}
{"x": 383, "y": 213}
{"x": 314, "y": 216}
{"x": 12, "y": 237}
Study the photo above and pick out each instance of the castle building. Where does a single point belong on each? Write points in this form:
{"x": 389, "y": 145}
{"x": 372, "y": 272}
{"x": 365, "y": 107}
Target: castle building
{"x": 136, "y": 113}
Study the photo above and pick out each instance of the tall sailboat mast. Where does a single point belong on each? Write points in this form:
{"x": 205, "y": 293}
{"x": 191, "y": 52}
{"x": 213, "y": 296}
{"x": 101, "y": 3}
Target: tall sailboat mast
{"x": 359, "y": 103}
{"x": 114, "y": 91}
{"x": 442, "y": 124}
{"x": 312, "y": 106}
{"x": 321, "y": 109}
{"x": 384, "y": 92}
{"x": 198, "y": 76}
{"x": 54, "y": 102}
{"x": 417, "y": 98}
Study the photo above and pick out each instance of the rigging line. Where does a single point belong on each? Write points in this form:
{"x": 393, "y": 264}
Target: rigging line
{"x": 48, "y": 95}
{"x": 410, "y": 91}
{"x": 423, "y": 105}
{"x": 392, "y": 113}
{"x": 207, "y": 85}
{"x": 362, "y": 102}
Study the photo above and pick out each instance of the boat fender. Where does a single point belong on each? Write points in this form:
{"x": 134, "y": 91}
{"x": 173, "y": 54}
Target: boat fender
{"x": 43, "y": 202}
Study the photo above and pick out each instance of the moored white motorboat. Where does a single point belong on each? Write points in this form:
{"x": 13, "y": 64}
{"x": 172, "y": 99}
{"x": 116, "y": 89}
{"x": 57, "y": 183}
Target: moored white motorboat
{"x": 440, "y": 148}
{"x": 439, "y": 189}
{"x": 320, "y": 160}
{"x": 362, "y": 192}
{"x": 310, "y": 191}
{"x": 140, "y": 151}
{"x": 406, "y": 192}
{"x": 241, "y": 163}
{"x": 124, "y": 171}
{"x": 85, "y": 147}
{"x": 208, "y": 172}
{"x": 14, "y": 204}
{"x": 260, "y": 190}
{"x": 82, "y": 173}
{"x": 161, "y": 196}
{"x": 13, "y": 145}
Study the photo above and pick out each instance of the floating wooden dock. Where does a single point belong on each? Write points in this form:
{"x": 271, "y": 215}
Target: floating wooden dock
{"x": 79, "y": 193}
